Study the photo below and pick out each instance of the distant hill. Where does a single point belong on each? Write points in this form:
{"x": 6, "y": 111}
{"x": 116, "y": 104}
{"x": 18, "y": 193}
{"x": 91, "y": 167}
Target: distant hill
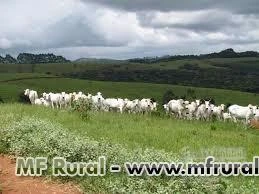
{"x": 228, "y": 53}
{"x": 99, "y": 61}
{"x": 28, "y": 58}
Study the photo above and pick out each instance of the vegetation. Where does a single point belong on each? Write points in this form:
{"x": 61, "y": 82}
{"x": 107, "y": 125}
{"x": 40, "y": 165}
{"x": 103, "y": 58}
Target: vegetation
{"x": 37, "y": 131}
{"x": 27, "y": 58}
{"x": 10, "y": 90}
{"x": 226, "y": 70}
{"x": 79, "y": 134}
{"x": 228, "y": 53}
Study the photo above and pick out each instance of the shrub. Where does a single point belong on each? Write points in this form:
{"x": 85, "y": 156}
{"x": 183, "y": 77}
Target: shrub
{"x": 82, "y": 107}
{"x": 23, "y": 99}
{"x": 1, "y": 100}
{"x": 168, "y": 95}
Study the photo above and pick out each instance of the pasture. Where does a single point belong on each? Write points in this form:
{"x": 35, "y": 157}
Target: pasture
{"x": 183, "y": 139}
{"x": 126, "y": 136}
{"x": 11, "y": 87}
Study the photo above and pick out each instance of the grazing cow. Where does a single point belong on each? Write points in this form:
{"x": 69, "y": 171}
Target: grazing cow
{"x": 38, "y": 102}
{"x": 218, "y": 111}
{"x": 78, "y": 96}
{"x": 154, "y": 106}
{"x": 204, "y": 111}
{"x": 45, "y": 102}
{"x": 191, "y": 109}
{"x": 114, "y": 104}
{"x": 227, "y": 116}
{"x": 145, "y": 105}
{"x": 198, "y": 102}
{"x": 242, "y": 112}
{"x": 33, "y": 95}
{"x": 186, "y": 102}
{"x": 131, "y": 105}
{"x": 65, "y": 100}
{"x": 166, "y": 108}
{"x": 176, "y": 107}
{"x": 97, "y": 100}
{"x": 54, "y": 99}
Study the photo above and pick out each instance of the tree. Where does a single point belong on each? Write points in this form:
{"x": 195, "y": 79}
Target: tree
{"x": 1, "y": 100}
{"x": 190, "y": 93}
{"x": 23, "y": 98}
{"x": 168, "y": 95}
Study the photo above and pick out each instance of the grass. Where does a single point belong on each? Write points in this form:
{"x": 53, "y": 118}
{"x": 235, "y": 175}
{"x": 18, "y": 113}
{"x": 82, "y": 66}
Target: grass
{"x": 10, "y": 90}
{"x": 147, "y": 131}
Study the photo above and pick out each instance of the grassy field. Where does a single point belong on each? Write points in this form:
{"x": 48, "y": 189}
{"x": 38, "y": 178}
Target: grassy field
{"x": 156, "y": 133}
{"x": 185, "y": 139}
{"x": 149, "y": 131}
{"x": 9, "y": 90}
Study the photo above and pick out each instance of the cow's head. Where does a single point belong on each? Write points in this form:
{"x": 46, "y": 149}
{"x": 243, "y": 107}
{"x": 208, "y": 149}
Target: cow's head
{"x": 207, "y": 103}
{"x": 222, "y": 107}
{"x": 26, "y": 92}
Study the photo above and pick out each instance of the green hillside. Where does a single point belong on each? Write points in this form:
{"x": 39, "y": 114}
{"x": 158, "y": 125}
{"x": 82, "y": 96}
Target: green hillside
{"x": 240, "y": 74}
{"x": 10, "y": 89}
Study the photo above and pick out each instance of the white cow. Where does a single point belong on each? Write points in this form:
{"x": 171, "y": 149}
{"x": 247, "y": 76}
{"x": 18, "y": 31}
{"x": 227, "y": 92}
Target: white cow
{"x": 242, "y": 112}
{"x": 97, "y": 101}
{"x": 166, "y": 108}
{"x": 54, "y": 99}
{"x": 33, "y": 95}
{"x": 77, "y": 96}
{"x": 38, "y": 102}
{"x": 114, "y": 104}
{"x": 218, "y": 111}
{"x": 176, "y": 107}
{"x": 191, "y": 109}
{"x": 204, "y": 111}
{"x": 198, "y": 102}
{"x": 66, "y": 99}
{"x": 257, "y": 115}
{"x": 145, "y": 105}
{"x": 131, "y": 105}
{"x": 227, "y": 116}
{"x": 45, "y": 102}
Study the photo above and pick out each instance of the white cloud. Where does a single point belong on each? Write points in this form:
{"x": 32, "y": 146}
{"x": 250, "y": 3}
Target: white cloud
{"x": 5, "y": 43}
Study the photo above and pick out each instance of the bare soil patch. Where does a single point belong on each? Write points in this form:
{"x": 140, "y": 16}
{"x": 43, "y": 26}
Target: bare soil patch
{"x": 11, "y": 184}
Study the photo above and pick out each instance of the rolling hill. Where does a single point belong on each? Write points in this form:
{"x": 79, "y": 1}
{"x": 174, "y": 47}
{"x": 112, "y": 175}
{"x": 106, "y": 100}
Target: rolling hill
{"x": 12, "y": 85}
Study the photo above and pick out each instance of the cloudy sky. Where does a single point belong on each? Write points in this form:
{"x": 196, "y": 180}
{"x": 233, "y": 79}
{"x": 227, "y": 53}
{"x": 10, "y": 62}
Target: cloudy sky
{"x": 127, "y": 28}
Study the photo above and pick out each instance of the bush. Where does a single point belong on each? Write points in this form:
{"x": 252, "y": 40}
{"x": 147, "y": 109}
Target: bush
{"x": 168, "y": 95}
{"x": 23, "y": 99}
{"x": 1, "y": 100}
{"x": 82, "y": 107}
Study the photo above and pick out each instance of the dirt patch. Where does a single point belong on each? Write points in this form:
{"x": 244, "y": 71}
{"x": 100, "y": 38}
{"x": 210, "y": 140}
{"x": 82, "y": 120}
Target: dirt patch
{"x": 255, "y": 124}
{"x": 11, "y": 184}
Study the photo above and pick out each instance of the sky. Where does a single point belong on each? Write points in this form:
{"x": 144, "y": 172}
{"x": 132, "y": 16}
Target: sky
{"x": 123, "y": 29}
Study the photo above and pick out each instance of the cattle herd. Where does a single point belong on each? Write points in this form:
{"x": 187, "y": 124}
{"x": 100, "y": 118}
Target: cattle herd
{"x": 198, "y": 109}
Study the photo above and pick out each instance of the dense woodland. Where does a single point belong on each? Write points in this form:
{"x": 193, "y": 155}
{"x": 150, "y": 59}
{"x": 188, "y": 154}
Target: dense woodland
{"x": 27, "y": 58}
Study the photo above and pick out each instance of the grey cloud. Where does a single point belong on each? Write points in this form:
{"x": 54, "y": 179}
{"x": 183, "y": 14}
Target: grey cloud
{"x": 239, "y": 6}
{"x": 208, "y": 22}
